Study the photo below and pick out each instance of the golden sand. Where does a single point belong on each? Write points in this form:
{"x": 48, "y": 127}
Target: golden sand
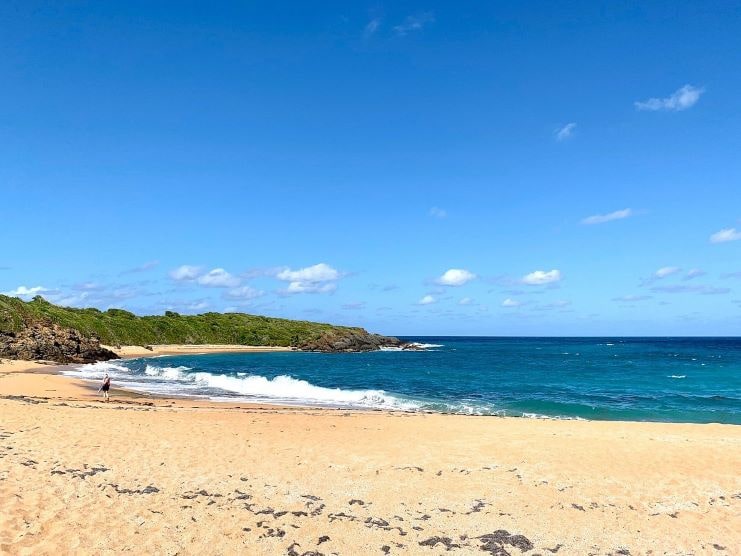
{"x": 181, "y": 349}
{"x": 158, "y": 476}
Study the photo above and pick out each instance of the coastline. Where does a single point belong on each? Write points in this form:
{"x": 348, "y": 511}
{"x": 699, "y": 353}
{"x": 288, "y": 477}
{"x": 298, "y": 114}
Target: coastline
{"x": 129, "y": 352}
{"x": 283, "y": 480}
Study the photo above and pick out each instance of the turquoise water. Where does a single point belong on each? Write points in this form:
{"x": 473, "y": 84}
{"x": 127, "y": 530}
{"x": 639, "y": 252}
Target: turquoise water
{"x": 644, "y": 379}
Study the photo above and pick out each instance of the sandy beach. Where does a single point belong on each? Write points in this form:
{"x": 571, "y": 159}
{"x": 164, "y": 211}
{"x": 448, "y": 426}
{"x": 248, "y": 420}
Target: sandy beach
{"x": 179, "y": 349}
{"x": 163, "y": 476}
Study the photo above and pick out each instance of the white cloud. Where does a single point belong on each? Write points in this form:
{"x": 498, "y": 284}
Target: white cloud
{"x": 509, "y": 302}
{"x": 465, "y": 301}
{"x": 318, "y": 278}
{"x": 726, "y": 234}
{"x": 243, "y": 293}
{"x": 437, "y": 212}
{"x": 414, "y": 23}
{"x": 565, "y": 132}
{"x": 427, "y": 300}
{"x": 540, "y": 277}
{"x": 318, "y": 273}
{"x": 681, "y": 99}
{"x": 183, "y": 306}
{"x": 25, "y": 292}
{"x": 310, "y": 287}
{"x": 218, "y": 278}
{"x": 694, "y": 273}
{"x": 185, "y": 272}
{"x": 665, "y": 271}
{"x": 455, "y": 277}
{"x": 372, "y": 27}
{"x": 602, "y": 218}
{"x": 66, "y": 300}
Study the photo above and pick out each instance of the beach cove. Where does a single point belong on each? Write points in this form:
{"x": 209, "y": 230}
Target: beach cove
{"x": 179, "y": 476}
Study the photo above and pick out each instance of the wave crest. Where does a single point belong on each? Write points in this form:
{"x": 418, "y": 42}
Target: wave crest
{"x": 288, "y": 389}
{"x": 172, "y": 373}
{"x": 97, "y": 370}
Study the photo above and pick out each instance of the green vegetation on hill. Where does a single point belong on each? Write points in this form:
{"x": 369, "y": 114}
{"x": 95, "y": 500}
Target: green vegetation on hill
{"x": 119, "y": 327}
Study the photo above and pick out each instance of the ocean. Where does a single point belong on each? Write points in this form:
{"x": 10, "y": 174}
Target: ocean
{"x": 694, "y": 380}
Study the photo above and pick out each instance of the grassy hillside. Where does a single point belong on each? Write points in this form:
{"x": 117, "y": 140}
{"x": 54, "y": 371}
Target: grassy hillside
{"x": 118, "y": 327}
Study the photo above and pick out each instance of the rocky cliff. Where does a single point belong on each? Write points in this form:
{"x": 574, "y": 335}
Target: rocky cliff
{"x": 350, "y": 340}
{"x": 52, "y": 343}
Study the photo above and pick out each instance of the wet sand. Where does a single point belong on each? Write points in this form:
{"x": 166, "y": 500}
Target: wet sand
{"x": 150, "y": 475}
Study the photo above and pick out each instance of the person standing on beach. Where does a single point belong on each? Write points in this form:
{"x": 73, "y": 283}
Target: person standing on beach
{"x": 105, "y": 387}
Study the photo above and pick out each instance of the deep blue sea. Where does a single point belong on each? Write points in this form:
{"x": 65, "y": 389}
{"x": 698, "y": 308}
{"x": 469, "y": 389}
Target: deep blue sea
{"x": 638, "y": 379}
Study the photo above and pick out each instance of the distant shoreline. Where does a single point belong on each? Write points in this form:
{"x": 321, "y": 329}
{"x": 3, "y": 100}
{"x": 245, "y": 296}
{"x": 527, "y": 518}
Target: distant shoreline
{"x": 131, "y": 352}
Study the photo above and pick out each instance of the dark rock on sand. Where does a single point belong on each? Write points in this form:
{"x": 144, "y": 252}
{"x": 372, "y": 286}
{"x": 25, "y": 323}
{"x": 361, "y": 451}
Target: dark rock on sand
{"x": 447, "y": 542}
{"x": 146, "y": 490}
{"x": 494, "y": 542}
{"x": 24, "y": 399}
{"x": 291, "y": 551}
{"x": 53, "y": 343}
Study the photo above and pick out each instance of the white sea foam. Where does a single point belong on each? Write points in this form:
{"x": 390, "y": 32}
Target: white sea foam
{"x": 676, "y": 376}
{"x": 287, "y": 388}
{"x": 97, "y": 370}
{"x": 281, "y": 389}
{"x": 552, "y": 417}
{"x": 171, "y": 373}
{"x": 414, "y": 345}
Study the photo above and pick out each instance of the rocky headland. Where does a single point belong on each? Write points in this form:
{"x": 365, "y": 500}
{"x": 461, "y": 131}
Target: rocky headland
{"x": 50, "y": 342}
{"x": 39, "y": 330}
{"x": 349, "y": 340}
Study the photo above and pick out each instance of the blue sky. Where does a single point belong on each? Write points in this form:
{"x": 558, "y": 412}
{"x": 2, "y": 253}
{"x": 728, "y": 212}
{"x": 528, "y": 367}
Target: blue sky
{"x": 415, "y": 168}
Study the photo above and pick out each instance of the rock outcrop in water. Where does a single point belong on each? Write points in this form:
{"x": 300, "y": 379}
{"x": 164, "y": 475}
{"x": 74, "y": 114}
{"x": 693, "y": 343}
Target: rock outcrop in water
{"x": 344, "y": 340}
{"x": 51, "y": 342}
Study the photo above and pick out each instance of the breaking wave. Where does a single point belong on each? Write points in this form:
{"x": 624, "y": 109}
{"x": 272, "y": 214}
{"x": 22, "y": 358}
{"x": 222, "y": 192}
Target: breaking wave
{"x": 281, "y": 389}
{"x": 415, "y": 345}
